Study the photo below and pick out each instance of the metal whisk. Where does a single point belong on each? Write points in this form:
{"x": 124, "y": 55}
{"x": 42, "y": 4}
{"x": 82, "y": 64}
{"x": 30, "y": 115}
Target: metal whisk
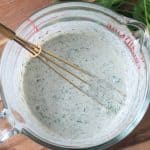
{"x": 90, "y": 87}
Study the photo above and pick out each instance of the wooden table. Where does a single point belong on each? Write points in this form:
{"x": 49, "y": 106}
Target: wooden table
{"x": 12, "y": 13}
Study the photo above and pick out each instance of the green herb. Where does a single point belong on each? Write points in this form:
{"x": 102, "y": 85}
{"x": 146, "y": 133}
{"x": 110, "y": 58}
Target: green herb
{"x": 110, "y": 3}
{"x": 141, "y": 12}
{"x": 137, "y": 9}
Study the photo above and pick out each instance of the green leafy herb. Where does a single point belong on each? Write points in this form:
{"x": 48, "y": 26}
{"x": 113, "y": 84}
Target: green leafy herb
{"x": 109, "y": 3}
{"x": 137, "y": 9}
{"x": 141, "y": 12}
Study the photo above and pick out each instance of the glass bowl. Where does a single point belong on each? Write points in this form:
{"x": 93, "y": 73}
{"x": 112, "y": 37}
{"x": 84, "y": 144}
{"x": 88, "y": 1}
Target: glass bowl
{"x": 51, "y": 21}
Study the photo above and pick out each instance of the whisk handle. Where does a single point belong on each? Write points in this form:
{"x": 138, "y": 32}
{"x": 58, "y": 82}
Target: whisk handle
{"x": 7, "y": 32}
{"x": 33, "y": 49}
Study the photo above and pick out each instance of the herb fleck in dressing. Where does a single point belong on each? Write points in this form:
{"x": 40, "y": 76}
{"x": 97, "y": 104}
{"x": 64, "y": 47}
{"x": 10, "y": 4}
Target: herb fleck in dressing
{"x": 63, "y": 109}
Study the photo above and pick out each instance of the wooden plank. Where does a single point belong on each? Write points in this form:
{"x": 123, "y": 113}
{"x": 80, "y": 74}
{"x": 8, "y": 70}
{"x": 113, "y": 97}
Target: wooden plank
{"x": 142, "y": 146}
{"x": 14, "y": 12}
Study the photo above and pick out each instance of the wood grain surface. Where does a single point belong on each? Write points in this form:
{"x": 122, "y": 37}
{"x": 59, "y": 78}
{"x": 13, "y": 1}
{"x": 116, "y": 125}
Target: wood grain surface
{"x": 13, "y": 13}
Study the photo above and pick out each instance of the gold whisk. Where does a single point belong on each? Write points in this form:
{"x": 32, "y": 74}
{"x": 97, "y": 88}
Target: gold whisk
{"x": 91, "y": 87}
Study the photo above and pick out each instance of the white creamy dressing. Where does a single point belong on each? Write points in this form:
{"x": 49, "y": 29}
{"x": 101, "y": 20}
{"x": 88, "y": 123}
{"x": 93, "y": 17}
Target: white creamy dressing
{"x": 63, "y": 109}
